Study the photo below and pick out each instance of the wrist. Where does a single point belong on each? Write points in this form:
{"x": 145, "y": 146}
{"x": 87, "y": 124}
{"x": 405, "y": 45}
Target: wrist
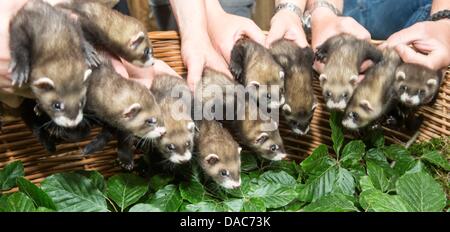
{"x": 322, "y": 14}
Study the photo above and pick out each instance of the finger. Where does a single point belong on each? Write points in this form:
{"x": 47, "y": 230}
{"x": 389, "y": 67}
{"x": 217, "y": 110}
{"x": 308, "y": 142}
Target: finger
{"x": 405, "y": 36}
{"x": 162, "y": 68}
{"x": 318, "y": 66}
{"x": 298, "y": 36}
{"x": 408, "y": 55}
{"x": 276, "y": 32}
{"x": 195, "y": 70}
{"x": 253, "y": 32}
{"x": 366, "y": 65}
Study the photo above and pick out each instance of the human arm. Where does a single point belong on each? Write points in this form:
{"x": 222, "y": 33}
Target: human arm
{"x": 426, "y": 43}
{"x": 287, "y": 24}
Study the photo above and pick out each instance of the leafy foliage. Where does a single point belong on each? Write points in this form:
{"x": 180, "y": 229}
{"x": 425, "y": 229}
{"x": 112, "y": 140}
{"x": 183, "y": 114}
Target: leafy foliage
{"x": 358, "y": 176}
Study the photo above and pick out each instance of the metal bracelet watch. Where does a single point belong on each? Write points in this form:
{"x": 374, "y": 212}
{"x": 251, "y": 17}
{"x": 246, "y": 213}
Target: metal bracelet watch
{"x": 443, "y": 14}
{"x": 291, "y": 7}
{"x": 317, "y": 4}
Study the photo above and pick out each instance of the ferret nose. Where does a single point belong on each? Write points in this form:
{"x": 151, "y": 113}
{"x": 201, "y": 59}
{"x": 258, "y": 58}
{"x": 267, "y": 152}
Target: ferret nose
{"x": 236, "y": 186}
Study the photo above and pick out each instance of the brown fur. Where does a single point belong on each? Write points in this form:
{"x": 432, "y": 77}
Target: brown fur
{"x": 300, "y": 100}
{"x": 374, "y": 95}
{"x": 343, "y": 55}
{"x": 179, "y": 135}
{"x": 214, "y": 139}
{"x": 111, "y": 29}
{"x": 110, "y": 95}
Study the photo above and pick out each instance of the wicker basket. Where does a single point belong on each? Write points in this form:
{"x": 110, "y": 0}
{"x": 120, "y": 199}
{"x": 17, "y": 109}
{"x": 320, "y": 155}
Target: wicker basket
{"x": 17, "y": 142}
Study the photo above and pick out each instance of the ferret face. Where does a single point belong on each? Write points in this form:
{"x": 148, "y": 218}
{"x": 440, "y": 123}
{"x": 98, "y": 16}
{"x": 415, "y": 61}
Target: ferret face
{"x": 141, "y": 51}
{"x": 269, "y": 85}
{"x": 359, "y": 114}
{"x": 176, "y": 144}
{"x": 337, "y": 91}
{"x": 224, "y": 169}
{"x": 144, "y": 119}
{"x": 269, "y": 145}
{"x": 62, "y": 100}
{"x": 415, "y": 86}
{"x": 298, "y": 121}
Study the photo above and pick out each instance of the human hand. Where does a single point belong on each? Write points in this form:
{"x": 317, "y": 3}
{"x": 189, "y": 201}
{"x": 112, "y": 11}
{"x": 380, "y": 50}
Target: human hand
{"x": 424, "y": 43}
{"x": 286, "y": 24}
{"x": 225, "y": 29}
{"x": 146, "y": 75}
{"x": 198, "y": 53}
{"x": 326, "y": 24}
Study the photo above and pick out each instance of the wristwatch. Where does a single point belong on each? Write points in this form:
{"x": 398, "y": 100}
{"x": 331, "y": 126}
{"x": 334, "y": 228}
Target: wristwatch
{"x": 317, "y": 4}
{"x": 443, "y": 14}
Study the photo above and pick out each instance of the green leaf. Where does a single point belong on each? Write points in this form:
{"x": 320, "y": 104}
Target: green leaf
{"x": 374, "y": 200}
{"x": 366, "y": 183}
{"x": 205, "y": 206}
{"x": 318, "y": 161}
{"x": 337, "y": 136}
{"x": 167, "y": 199}
{"x": 421, "y": 192}
{"x": 352, "y": 154}
{"x": 437, "y": 159}
{"x": 345, "y": 183}
{"x": 377, "y": 156}
{"x": 96, "y": 178}
{"x": 39, "y": 197}
{"x": 375, "y": 138}
{"x": 9, "y": 175}
{"x": 192, "y": 191}
{"x": 319, "y": 186}
{"x": 331, "y": 203}
{"x": 234, "y": 205}
{"x": 272, "y": 177}
{"x": 418, "y": 166}
{"x": 18, "y": 202}
{"x": 402, "y": 157}
{"x": 290, "y": 167}
{"x": 378, "y": 176}
{"x": 274, "y": 195}
{"x": 253, "y": 205}
{"x": 294, "y": 206}
{"x": 44, "y": 210}
{"x": 126, "y": 189}
{"x": 72, "y": 192}
{"x": 248, "y": 163}
{"x": 144, "y": 208}
{"x": 159, "y": 181}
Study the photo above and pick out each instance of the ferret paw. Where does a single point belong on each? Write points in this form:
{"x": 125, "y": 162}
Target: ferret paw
{"x": 49, "y": 146}
{"x": 126, "y": 164}
{"x": 320, "y": 55}
{"x": 92, "y": 58}
{"x": 88, "y": 149}
{"x": 19, "y": 73}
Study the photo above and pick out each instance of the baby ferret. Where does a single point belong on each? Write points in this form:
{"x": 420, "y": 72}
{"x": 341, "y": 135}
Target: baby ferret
{"x": 300, "y": 101}
{"x": 343, "y": 55}
{"x": 416, "y": 85}
{"x": 219, "y": 154}
{"x": 48, "y": 52}
{"x": 177, "y": 142}
{"x": 374, "y": 95}
{"x": 252, "y": 65}
{"x": 121, "y": 34}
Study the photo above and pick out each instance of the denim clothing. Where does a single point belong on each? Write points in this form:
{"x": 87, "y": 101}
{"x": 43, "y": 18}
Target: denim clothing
{"x": 166, "y": 21}
{"x": 385, "y": 17}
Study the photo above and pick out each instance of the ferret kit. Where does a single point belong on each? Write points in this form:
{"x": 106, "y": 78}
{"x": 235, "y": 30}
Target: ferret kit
{"x": 57, "y": 53}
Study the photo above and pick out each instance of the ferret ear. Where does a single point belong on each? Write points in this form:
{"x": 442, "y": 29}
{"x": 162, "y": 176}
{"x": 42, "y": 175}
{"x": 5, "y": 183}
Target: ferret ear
{"x": 191, "y": 127}
{"x": 432, "y": 82}
{"x": 354, "y": 79}
{"x": 400, "y": 76}
{"x": 282, "y": 60}
{"x": 212, "y": 159}
{"x": 136, "y": 40}
{"x": 132, "y": 111}
{"x": 239, "y": 150}
{"x": 87, "y": 74}
{"x": 262, "y": 138}
{"x": 44, "y": 84}
{"x": 322, "y": 77}
{"x": 315, "y": 104}
{"x": 237, "y": 61}
{"x": 286, "y": 108}
{"x": 254, "y": 83}
{"x": 366, "y": 105}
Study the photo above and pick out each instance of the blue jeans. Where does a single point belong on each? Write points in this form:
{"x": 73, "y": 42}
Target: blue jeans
{"x": 385, "y": 17}
{"x": 166, "y": 21}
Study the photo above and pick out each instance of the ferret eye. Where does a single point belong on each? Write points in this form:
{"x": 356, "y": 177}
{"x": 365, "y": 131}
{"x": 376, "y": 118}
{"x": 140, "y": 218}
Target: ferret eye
{"x": 402, "y": 88}
{"x": 421, "y": 92}
{"x": 354, "y": 115}
{"x": 171, "y": 147}
{"x": 345, "y": 95}
{"x": 328, "y": 94}
{"x": 58, "y": 106}
{"x": 146, "y": 51}
{"x": 188, "y": 144}
{"x": 224, "y": 173}
{"x": 274, "y": 147}
{"x": 151, "y": 121}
